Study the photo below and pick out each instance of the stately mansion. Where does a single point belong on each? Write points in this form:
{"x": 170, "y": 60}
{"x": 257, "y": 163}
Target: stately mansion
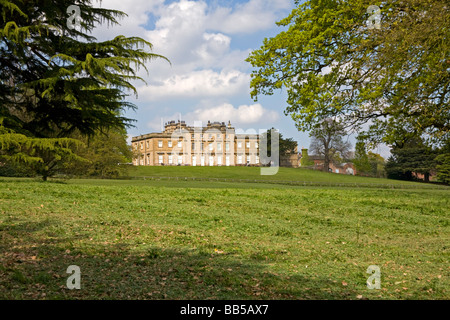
{"x": 215, "y": 144}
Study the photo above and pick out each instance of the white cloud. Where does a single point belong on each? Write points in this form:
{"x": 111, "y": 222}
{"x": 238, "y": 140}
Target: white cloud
{"x": 250, "y": 17}
{"x": 242, "y": 115}
{"x": 133, "y": 24}
{"x": 197, "y": 37}
{"x": 198, "y": 84}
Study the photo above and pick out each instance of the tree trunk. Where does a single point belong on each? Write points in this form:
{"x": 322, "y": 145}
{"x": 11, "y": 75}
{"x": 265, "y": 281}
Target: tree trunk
{"x": 326, "y": 165}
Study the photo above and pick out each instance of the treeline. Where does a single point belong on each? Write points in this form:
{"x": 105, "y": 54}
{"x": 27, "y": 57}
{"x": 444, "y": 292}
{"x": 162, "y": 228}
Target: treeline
{"x": 415, "y": 160}
{"x": 411, "y": 160}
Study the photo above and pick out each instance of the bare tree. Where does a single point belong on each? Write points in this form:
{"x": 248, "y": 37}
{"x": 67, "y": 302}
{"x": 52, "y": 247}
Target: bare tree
{"x": 328, "y": 141}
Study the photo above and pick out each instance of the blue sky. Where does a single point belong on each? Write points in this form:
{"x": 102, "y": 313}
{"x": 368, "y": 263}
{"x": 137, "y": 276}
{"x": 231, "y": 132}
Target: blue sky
{"x": 207, "y": 43}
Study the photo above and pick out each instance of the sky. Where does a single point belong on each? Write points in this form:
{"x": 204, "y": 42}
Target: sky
{"x": 207, "y": 42}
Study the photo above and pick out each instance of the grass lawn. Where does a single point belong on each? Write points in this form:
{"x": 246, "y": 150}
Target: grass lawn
{"x": 253, "y": 174}
{"x": 168, "y": 239}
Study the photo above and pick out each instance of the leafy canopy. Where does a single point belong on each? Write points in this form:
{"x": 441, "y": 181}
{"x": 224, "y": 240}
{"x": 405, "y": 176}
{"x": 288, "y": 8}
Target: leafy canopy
{"x": 333, "y": 64}
{"x": 55, "y": 79}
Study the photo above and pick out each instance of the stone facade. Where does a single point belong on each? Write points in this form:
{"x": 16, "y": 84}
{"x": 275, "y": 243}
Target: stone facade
{"x": 217, "y": 144}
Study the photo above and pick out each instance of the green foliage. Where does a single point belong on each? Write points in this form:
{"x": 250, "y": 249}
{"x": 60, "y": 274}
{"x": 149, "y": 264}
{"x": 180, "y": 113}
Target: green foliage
{"x": 12, "y": 169}
{"x": 286, "y": 146}
{"x": 42, "y": 156}
{"x": 377, "y": 165}
{"x": 306, "y": 160}
{"x": 443, "y": 168}
{"x": 55, "y": 80}
{"x": 411, "y": 157}
{"x": 361, "y": 160}
{"x": 332, "y": 64}
{"x": 108, "y": 155}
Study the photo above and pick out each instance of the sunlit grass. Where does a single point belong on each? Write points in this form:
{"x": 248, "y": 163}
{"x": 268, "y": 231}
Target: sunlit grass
{"x": 188, "y": 240}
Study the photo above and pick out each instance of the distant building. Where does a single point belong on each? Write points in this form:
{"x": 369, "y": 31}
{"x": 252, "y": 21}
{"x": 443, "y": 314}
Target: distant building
{"x": 342, "y": 168}
{"x": 291, "y": 159}
{"x": 216, "y": 144}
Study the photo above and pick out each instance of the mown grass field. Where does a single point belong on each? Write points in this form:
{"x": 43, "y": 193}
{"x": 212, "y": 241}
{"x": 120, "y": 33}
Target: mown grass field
{"x": 254, "y": 174}
{"x": 168, "y": 239}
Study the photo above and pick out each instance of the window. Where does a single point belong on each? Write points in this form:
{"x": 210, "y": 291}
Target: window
{"x": 148, "y": 159}
{"x": 170, "y": 159}
{"x": 179, "y": 144}
{"x": 160, "y": 159}
{"x": 248, "y": 145}
{"x": 147, "y": 145}
{"x": 194, "y": 161}
{"x": 201, "y": 146}
{"x": 219, "y": 147}
{"x": 180, "y": 159}
{"x": 257, "y": 159}
{"x": 160, "y": 143}
{"x": 239, "y": 159}
{"x": 211, "y": 161}
{"x": 170, "y": 143}
{"x": 219, "y": 161}
{"x": 227, "y": 159}
{"x": 248, "y": 159}
{"x": 227, "y": 146}
{"x": 142, "y": 145}
{"x": 256, "y": 145}
{"x": 202, "y": 161}
{"x": 193, "y": 146}
{"x": 239, "y": 144}
{"x": 211, "y": 147}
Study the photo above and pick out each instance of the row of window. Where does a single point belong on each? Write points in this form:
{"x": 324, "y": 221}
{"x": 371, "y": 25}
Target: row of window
{"x": 211, "y": 146}
{"x": 211, "y": 160}
{"x": 201, "y": 160}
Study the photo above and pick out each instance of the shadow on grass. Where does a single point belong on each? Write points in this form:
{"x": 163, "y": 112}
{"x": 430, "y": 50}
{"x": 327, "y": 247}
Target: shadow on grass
{"x": 34, "y": 267}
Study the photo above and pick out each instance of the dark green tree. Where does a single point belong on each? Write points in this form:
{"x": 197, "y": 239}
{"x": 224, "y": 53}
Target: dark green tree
{"x": 377, "y": 165}
{"x": 443, "y": 164}
{"x": 443, "y": 168}
{"x": 361, "y": 160}
{"x": 409, "y": 158}
{"x": 286, "y": 146}
{"x": 56, "y": 80}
